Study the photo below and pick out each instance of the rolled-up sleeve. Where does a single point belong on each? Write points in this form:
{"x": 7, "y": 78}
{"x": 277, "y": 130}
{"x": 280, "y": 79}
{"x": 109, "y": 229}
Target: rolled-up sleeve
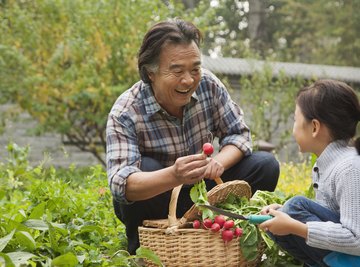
{"x": 122, "y": 155}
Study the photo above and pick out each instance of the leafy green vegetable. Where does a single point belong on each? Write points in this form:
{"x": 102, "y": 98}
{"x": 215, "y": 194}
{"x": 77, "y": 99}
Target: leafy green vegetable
{"x": 198, "y": 195}
{"x": 253, "y": 238}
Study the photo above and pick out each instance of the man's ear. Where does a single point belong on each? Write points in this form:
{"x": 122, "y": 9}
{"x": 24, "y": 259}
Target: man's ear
{"x": 315, "y": 127}
{"x": 151, "y": 76}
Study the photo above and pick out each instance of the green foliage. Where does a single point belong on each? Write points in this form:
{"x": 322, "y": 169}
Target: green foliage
{"x": 269, "y": 104}
{"x": 252, "y": 238}
{"x": 50, "y": 217}
{"x": 318, "y": 32}
{"x": 198, "y": 195}
{"x": 66, "y": 62}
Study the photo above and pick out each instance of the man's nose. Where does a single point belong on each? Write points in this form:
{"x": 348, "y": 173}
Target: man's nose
{"x": 187, "y": 79}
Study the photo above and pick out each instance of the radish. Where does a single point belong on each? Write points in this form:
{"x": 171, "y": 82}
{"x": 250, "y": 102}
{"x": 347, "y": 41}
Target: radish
{"x": 238, "y": 232}
{"x": 196, "y": 224}
{"x": 227, "y": 235}
{"x": 229, "y": 224}
{"x": 215, "y": 227}
{"x": 208, "y": 149}
{"x": 207, "y": 223}
{"x": 220, "y": 220}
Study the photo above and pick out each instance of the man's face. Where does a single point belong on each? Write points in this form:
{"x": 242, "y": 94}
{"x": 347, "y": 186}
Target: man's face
{"x": 177, "y": 77}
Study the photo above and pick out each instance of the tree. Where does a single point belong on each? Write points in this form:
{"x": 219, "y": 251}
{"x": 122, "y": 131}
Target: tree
{"x": 76, "y": 58}
{"x": 319, "y": 32}
{"x": 66, "y": 62}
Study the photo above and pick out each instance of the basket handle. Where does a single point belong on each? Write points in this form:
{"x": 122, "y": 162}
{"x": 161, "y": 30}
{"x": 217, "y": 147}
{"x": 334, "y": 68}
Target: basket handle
{"x": 173, "y": 203}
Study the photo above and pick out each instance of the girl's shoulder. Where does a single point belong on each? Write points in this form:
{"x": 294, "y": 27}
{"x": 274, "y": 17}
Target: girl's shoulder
{"x": 349, "y": 162}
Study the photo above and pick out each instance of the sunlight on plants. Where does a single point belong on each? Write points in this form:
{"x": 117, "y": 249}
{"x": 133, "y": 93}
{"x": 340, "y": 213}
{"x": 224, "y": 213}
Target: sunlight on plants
{"x": 295, "y": 178}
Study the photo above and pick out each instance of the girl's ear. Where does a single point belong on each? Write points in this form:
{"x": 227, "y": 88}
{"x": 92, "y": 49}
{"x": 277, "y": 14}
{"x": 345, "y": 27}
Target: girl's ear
{"x": 315, "y": 127}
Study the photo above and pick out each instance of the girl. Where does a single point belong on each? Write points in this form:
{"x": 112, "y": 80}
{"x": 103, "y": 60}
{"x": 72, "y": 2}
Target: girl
{"x": 324, "y": 232}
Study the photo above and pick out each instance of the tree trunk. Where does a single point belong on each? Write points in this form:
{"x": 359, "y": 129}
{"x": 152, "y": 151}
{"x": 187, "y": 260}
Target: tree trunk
{"x": 257, "y": 26}
{"x": 189, "y": 4}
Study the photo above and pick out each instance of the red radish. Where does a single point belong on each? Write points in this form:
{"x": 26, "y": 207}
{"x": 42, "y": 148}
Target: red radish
{"x": 196, "y": 224}
{"x": 227, "y": 235}
{"x": 215, "y": 227}
{"x": 238, "y": 232}
{"x": 208, "y": 149}
{"x": 207, "y": 223}
{"x": 229, "y": 224}
{"x": 220, "y": 220}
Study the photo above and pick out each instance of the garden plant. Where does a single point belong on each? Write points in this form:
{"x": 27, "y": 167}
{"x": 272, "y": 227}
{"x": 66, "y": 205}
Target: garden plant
{"x": 64, "y": 217}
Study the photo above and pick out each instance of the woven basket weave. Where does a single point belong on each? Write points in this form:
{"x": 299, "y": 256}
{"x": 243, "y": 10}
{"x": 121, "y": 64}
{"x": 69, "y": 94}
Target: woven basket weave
{"x": 179, "y": 246}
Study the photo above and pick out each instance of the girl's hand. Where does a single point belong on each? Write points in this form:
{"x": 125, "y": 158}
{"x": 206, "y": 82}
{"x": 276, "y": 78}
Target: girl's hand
{"x": 265, "y": 210}
{"x": 283, "y": 224}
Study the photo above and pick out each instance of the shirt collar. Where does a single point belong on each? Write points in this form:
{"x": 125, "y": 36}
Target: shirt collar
{"x": 331, "y": 154}
{"x": 151, "y": 105}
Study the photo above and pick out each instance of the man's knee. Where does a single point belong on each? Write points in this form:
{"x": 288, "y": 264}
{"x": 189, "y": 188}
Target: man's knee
{"x": 268, "y": 170}
{"x": 269, "y": 164}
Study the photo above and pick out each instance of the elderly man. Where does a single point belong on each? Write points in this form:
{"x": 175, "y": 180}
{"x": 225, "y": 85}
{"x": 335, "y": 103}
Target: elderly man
{"x": 156, "y": 129}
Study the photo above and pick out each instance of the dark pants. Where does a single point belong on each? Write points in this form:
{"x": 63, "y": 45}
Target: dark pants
{"x": 260, "y": 170}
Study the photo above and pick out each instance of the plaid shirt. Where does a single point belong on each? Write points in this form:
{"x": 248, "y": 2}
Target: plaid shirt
{"x": 137, "y": 126}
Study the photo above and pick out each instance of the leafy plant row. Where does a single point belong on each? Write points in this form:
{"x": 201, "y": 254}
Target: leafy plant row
{"x": 64, "y": 217}
{"x": 51, "y": 217}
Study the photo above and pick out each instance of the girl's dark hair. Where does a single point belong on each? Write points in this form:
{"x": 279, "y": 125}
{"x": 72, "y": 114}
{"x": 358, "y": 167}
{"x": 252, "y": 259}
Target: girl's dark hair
{"x": 173, "y": 31}
{"x": 333, "y": 103}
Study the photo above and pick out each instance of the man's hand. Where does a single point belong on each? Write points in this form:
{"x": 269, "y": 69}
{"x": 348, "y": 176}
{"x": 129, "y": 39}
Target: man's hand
{"x": 190, "y": 169}
{"x": 214, "y": 169}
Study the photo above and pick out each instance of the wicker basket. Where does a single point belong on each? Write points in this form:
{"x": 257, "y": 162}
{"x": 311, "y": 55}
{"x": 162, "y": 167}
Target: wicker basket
{"x": 177, "y": 245}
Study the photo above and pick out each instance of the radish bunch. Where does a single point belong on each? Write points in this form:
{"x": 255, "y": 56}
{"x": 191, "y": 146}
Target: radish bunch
{"x": 220, "y": 224}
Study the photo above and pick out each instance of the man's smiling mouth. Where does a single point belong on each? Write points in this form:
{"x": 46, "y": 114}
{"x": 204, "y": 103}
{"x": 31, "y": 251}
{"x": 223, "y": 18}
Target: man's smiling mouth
{"x": 183, "y": 91}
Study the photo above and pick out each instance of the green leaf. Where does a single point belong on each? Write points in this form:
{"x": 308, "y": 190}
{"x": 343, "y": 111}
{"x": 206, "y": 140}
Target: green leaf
{"x": 38, "y": 211}
{"x": 20, "y": 257}
{"x": 26, "y": 240}
{"x": 91, "y": 228}
{"x": 53, "y": 238}
{"x": 251, "y": 237}
{"x": 66, "y": 260}
{"x": 249, "y": 252}
{"x": 5, "y": 240}
{"x": 4, "y": 258}
{"x": 60, "y": 227}
{"x": 268, "y": 241}
{"x": 194, "y": 194}
{"x": 149, "y": 255}
{"x": 36, "y": 224}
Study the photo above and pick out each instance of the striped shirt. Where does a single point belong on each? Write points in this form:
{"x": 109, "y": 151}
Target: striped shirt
{"x": 337, "y": 173}
{"x": 137, "y": 126}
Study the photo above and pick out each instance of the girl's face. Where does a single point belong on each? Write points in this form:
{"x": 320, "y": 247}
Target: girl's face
{"x": 302, "y": 131}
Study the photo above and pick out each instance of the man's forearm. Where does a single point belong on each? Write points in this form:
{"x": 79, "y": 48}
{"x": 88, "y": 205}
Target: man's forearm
{"x": 145, "y": 185}
{"x": 229, "y": 156}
